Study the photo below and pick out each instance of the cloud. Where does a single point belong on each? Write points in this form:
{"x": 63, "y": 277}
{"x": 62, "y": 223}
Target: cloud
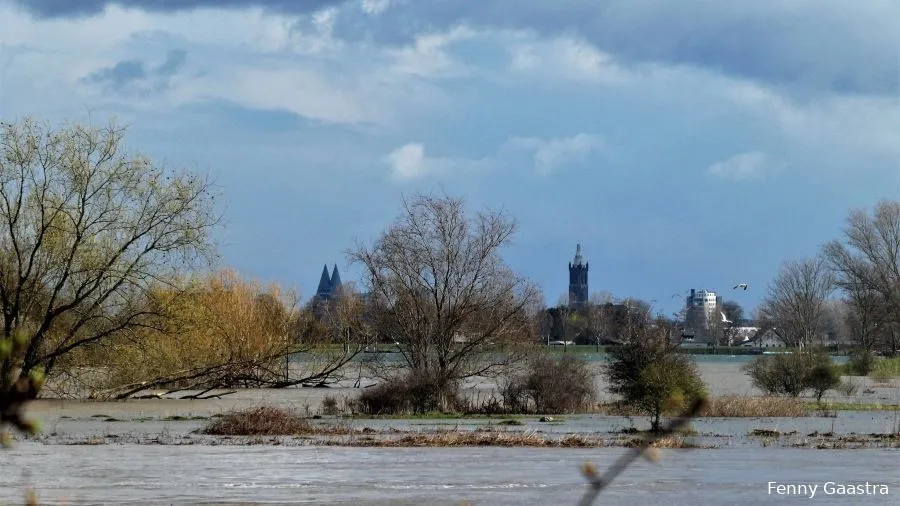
{"x": 565, "y": 57}
{"x": 375, "y": 6}
{"x": 408, "y": 162}
{"x": 75, "y": 8}
{"x": 134, "y": 73}
{"x": 769, "y": 41}
{"x": 551, "y": 154}
{"x": 752, "y": 165}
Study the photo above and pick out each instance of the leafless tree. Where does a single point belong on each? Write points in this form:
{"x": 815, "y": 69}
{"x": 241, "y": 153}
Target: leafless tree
{"x": 796, "y": 300}
{"x": 867, "y": 268}
{"x": 86, "y": 229}
{"x": 443, "y": 291}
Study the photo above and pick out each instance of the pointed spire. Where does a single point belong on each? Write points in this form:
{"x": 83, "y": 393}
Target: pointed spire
{"x": 324, "y": 283}
{"x": 579, "y": 260}
{"x": 335, "y": 280}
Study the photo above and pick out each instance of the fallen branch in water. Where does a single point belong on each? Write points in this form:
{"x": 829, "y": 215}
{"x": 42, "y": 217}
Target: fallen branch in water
{"x": 598, "y": 482}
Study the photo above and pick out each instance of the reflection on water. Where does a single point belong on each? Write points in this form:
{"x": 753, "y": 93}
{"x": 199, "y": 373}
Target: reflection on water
{"x": 117, "y": 474}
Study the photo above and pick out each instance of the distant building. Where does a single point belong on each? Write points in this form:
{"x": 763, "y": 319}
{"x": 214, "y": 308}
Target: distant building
{"x": 578, "y": 281}
{"x": 766, "y": 338}
{"x": 702, "y": 308}
{"x": 329, "y": 286}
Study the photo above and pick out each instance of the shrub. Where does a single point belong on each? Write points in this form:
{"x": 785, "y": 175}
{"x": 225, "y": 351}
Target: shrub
{"x": 848, "y": 388}
{"x": 414, "y": 392}
{"x": 551, "y": 385}
{"x": 651, "y": 376}
{"x": 330, "y": 405}
{"x": 821, "y": 378}
{"x": 264, "y": 421}
{"x": 861, "y": 363}
{"x": 793, "y": 373}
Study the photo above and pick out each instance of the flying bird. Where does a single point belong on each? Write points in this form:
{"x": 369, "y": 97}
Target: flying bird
{"x": 740, "y": 285}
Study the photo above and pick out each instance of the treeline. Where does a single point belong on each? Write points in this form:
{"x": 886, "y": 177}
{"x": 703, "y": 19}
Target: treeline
{"x": 850, "y": 288}
{"x": 109, "y": 288}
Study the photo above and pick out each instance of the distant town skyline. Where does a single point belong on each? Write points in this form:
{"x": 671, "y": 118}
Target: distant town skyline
{"x": 683, "y": 144}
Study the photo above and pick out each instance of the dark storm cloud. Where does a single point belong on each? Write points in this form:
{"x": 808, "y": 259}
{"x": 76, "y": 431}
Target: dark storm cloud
{"x": 810, "y": 45}
{"x": 74, "y": 8}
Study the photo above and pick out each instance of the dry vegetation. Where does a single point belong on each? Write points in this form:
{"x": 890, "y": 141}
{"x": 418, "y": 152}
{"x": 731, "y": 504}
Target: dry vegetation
{"x": 741, "y": 406}
{"x": 268, "y": 421}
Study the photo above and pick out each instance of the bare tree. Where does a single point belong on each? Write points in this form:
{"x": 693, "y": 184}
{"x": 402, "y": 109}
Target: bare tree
{"x": 734, "y": 314}
{"x": 867, "y": 267}
{"x": 443, "y": 292}
{"x": 86, "y": 229}
{"x": 796, "y": 300}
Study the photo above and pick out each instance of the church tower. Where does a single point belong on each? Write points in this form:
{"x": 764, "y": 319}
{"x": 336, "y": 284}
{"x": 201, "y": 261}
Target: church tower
{"x": 578, "y": 280}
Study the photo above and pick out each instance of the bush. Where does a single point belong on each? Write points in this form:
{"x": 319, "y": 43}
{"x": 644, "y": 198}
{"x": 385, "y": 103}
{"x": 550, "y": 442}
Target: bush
{"x": 848, "y": 388}
{"x": 264, "y": 421}
{"x": 330, "y": 405}
{"x": 821, "y": 378}
{"x": 792, "y": 374}
{"x": 414, "y": 392}
{"x": 861, "y": 363}
{"x": 652, "y": 377}
{"x": 551, "y": 385}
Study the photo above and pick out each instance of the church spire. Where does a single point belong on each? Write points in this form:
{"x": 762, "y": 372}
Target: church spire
{"x": 324, "y": 282}
{"x": 579, "y": 260}
{"x": 335, "y": 280}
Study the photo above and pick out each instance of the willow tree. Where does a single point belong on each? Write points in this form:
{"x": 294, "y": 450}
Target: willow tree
{"x": 443, "y": 292}
{"x": 87, "y": 230}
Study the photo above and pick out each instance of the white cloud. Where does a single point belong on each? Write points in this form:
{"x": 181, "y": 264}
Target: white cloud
{"x": 408, "y": 162}
{"x": 752, "y": 165}
{"x": 551, "y": 154}
{"x": 565, "y": 58}
{"x": 374, "y": 7}
{"x": 428, "y": 55}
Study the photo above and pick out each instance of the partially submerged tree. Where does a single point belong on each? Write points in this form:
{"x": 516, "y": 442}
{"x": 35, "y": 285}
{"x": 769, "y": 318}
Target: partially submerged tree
{"x": 791, "y": 374}
{"x": 443, "y": 292}
{"x": 87, "y": 230}
{"x": 648, "y": 373}
{"x": 796, "y": 300}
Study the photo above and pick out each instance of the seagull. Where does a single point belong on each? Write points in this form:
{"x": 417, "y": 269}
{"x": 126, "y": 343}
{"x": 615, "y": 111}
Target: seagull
{"x": 740, "y": 285}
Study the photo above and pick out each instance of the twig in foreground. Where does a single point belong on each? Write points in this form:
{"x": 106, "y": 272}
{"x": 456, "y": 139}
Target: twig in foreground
{"x": 598, "y": 483}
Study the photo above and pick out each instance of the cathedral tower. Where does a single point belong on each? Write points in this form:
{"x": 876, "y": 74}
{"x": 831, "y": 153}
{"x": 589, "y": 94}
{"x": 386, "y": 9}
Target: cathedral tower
{"x": 578, "y": 280}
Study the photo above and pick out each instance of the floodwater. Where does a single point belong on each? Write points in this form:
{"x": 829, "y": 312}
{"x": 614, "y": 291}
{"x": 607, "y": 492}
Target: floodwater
{"x": 120, "y": 474}
{"x": 737, "y": 472}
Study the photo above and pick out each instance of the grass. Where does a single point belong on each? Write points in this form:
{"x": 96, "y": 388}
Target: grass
{"x": 853, "y": 406}
{"x": 267, "y": 421}
{"x": 731, "y": 407}
{"x": 436, "y": 416}
{"x": 744, "y": 406}
{"x": 883, "y": 369}
{"x": 477, "y": 438}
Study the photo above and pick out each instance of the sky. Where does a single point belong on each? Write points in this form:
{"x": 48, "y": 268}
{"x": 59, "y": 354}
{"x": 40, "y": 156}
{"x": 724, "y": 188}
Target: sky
{"x": 688, "y": 144}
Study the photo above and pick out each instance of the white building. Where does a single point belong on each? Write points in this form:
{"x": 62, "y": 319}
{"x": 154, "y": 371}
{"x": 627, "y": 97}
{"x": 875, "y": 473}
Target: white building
{"x": 702, "y": 306}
